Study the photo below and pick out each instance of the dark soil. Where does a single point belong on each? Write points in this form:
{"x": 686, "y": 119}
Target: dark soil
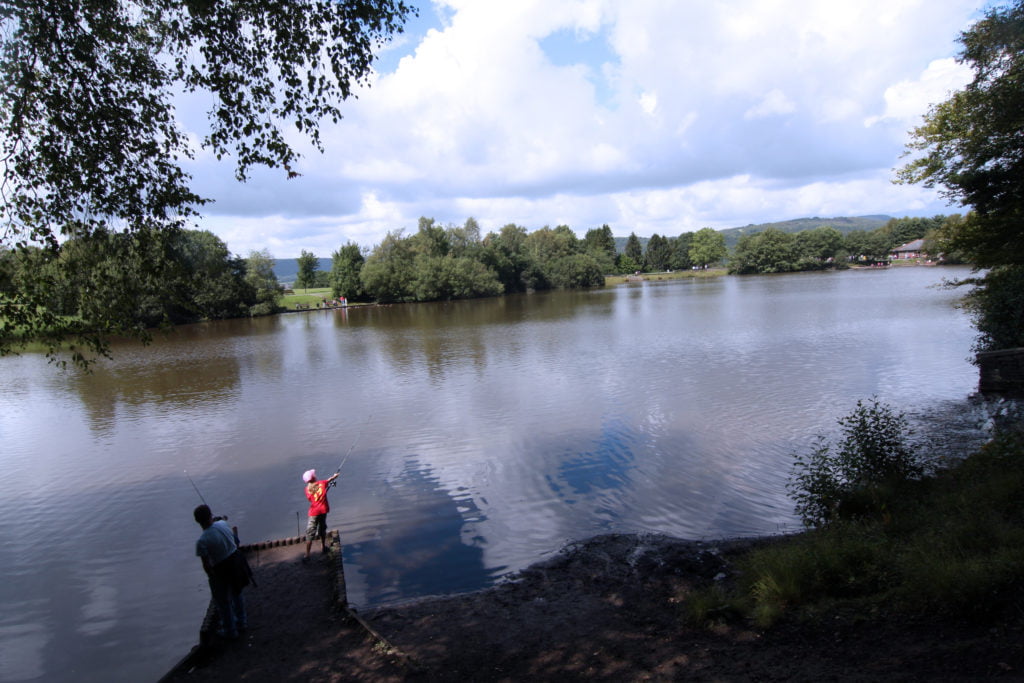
{"x": 607, "y": 609}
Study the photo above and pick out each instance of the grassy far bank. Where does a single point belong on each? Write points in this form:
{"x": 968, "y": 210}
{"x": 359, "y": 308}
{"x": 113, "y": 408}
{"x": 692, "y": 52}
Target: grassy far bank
{"x": 611, "y": 280}
{"x": 305, "y": 297}
{"x": 949, "y": 545}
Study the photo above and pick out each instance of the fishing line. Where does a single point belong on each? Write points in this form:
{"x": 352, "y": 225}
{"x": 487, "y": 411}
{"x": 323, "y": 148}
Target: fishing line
{"x": 352, "y": 447}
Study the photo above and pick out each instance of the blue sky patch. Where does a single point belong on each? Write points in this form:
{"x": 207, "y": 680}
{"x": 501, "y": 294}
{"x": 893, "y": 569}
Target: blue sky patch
{"x": 566, "y": 47}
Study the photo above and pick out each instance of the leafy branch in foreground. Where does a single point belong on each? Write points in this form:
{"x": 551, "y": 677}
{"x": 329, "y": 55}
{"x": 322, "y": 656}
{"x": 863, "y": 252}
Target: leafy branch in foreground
{"x": 89, "y": 140}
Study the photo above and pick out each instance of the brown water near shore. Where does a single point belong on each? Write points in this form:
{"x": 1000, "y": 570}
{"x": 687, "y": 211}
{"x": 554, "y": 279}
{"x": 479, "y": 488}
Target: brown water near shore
{"x": 606, "y": 609}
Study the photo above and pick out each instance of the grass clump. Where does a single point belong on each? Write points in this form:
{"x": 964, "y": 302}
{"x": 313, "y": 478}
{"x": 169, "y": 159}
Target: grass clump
{"x": 950, "y": 543}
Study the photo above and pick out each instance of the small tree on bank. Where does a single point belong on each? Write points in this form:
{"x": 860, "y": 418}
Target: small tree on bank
{"x": 308, "y": 265}
{"x": 840, "y": 480}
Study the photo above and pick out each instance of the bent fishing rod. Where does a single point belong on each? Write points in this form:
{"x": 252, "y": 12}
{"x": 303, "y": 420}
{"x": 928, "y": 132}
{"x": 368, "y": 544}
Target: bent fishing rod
{"x": 351, "y": 448}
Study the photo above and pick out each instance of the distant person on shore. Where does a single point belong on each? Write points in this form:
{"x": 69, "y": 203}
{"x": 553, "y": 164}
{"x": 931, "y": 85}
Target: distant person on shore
{"x": 316, "y": 493}
{"x": 217, "y": 548}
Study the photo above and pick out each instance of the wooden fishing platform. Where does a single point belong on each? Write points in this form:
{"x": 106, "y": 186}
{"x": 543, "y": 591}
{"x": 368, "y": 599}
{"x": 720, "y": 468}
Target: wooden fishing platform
{"x": 290, "y": 597}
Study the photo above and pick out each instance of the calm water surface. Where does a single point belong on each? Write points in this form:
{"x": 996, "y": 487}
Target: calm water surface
{"x": 487, "y": 435}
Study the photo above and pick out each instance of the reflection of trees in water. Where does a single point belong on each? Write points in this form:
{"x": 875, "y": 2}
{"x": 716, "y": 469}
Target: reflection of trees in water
{"x": 422, "y": 552}
{"x": 439, "y": 334}
{"x": 191, "y": 367}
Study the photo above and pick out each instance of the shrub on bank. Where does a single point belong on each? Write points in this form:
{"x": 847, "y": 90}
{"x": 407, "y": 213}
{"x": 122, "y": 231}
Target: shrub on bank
{"x": 855, "y": 476}
{"x": 947, "y": 544}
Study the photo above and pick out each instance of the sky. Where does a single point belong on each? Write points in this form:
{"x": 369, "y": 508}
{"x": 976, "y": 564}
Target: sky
{"x": 650, "y": 116}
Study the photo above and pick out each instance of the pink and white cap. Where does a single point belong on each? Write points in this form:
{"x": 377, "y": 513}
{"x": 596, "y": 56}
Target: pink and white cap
{"x": 308, "y": 476}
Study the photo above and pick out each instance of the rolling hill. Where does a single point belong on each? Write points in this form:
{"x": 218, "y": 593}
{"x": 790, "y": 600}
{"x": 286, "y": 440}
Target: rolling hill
{"x": 843, "y": 224}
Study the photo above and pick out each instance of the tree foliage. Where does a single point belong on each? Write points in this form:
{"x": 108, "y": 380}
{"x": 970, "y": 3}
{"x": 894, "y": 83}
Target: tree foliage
{"x": 443, "y": 263}
{"x": 308, "y": 264}
{"x": 136, "y": 282}
{"x": 707, "y": 248}
{"x": 505, "y": 253}
{"x": 769, "y": 251}
{"x": 259, "y": 274}
{"x": 90, "y": 143}
{"x": 996, "y": 306}
{"x": 775, "y": 251}
{"x": 680, "y": 259}
{"x": 600, "y": 244}
{"x": 387, "y": 275}
{"x": 346, "y": 267}
{"x": 820, "y": 244}
{"x": 863, "y": 245}
{"x": 658, "y": 255}
{"x": 971, "y": 146}
{"x": 634, "y": 253}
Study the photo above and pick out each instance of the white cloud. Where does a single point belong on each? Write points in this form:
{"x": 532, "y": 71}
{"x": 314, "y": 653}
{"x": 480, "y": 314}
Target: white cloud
{"x": 773, "y": 103}
{"x": 648, "y": 116}
{"x": 908, "y": 100}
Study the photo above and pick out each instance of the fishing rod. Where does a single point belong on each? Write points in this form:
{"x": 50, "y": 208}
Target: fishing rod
{"x": 351, "y": 448}
{"x": 218, "y": 517}
{"x": 197, "y": 489}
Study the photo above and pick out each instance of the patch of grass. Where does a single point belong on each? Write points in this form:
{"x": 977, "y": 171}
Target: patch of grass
{"x": 306, "y": 297}
{"x": 676, "y": 275}
{"x": 951, "y": 544}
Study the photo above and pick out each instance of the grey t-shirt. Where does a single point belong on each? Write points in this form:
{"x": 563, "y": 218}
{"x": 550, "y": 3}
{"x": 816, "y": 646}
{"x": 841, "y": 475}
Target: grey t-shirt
{"x": 216, "y": 543}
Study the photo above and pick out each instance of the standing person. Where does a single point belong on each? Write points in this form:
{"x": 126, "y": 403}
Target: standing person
{"x": 316, "y": 493}
{"x": 216, "y": 548}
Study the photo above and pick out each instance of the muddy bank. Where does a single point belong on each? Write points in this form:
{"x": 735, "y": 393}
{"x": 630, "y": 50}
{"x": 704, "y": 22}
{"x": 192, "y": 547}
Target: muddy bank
{"x": 606, "y": 609}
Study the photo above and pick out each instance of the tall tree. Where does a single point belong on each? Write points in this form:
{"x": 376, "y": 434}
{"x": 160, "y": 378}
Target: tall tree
{"x": 346, "y": 265}
{"x": 768, "y": 251}
{"x": 506, "y": 253}
{"x": 681, "y": 252}
{"x": 547, "y": 247}
{"x": 600, "y": 243}
{"x": 259, "y": 273}
{"x": 708, "y": 247}
{"x": 431, "y": 239}
{"x": 89, "y": 140}
{"x": 634, "y": 251}
{"x": 863, "y": 245}
{"x": 820, "y": 244}
{"x": 658, "y": 254}
{"x": 971, "y": 146}
{"x": 308, "y": 265}
{"x": 388, "y": 274}
{"x": 465, "y": 240}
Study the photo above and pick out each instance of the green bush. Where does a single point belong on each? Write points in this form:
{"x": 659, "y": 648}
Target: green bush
{"x": 861, "y": 473}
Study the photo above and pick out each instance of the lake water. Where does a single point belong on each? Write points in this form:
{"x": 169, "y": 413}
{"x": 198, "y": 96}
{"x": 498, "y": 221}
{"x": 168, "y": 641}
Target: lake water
{"x": 484, "y": 436}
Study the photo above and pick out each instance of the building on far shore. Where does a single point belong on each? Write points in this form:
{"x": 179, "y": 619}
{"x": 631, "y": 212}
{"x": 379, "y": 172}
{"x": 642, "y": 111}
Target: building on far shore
{"x": 914, "y": 249}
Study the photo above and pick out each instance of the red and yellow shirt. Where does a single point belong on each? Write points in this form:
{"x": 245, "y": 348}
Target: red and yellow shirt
{"x": 316, "y": 492}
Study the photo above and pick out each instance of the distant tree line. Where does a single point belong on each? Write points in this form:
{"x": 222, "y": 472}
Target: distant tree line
{"x": 455, "y": 262}
{"x": 775, "y": 251}
{"x": 181, "y": 276}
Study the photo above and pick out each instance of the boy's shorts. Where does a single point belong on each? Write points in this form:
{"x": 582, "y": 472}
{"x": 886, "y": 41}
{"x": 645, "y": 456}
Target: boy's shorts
{"x": 316, "y": 528}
